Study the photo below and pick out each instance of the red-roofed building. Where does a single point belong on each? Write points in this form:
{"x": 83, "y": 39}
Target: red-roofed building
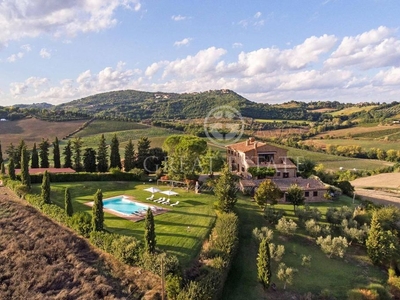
{"x": 251, "y": 153}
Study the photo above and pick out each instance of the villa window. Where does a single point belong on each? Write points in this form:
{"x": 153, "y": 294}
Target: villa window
{"x": 242, "y": 169}
{"x": 315, "y": 193}
{"x": 285, "y": 174}
{"x": 278, "y": 173}
{"x": 307, "y": 194}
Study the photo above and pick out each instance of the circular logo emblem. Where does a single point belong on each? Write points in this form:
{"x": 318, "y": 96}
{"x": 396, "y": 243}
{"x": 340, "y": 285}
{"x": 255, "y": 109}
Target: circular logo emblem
{"x": 224, "y": 125}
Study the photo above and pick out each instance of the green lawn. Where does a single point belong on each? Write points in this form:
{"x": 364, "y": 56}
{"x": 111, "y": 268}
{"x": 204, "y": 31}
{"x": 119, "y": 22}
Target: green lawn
{"x": 335, "y": 274}
{"x": 173, "y": 235}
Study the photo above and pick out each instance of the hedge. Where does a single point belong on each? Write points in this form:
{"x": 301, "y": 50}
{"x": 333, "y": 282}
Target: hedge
{"x": 85, "y": 176}
{"x": 209, "y": 277}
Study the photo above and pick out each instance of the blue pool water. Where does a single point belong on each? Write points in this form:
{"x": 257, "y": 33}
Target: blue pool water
{"x": 124, "y": 206}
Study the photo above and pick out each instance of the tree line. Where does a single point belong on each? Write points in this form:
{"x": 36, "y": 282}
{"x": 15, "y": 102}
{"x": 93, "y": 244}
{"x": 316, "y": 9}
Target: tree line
{"x": 106, "y": 157}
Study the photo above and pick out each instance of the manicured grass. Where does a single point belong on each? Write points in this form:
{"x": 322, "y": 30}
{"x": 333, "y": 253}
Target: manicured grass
{"x": 103, "y": 126}
{"x": 334, "y": 274}
{"x": 180, "y": 231}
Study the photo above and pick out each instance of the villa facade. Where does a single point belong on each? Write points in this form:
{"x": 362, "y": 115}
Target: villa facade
{"x": 251, "y": 153}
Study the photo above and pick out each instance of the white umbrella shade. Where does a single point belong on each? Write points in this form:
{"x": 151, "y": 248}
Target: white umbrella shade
{"x": 169, "y": 193}
{"x": 152, "y": 190}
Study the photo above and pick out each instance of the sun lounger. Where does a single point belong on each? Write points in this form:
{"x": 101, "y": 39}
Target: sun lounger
{"x": 163, "y": 199}
{"x": 173, "y": 204}
{"x": 166, "y": 202}
{"x": 150, "y": 198}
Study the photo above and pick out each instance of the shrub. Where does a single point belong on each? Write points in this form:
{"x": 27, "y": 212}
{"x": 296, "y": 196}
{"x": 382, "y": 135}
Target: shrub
{"x": 126, "y": 249}
{"x": 152, "y": 262}
{"x": 307, "y": 214}
{"x": 272, "y": 215}
{"x": 81, "y": 222}
{"x": 263, "y": 233}
{"x": 173, "y": 286}
{"x": 276, "y": 251}
{"x": 336, "y": 246}
{"x": 286, "y": 226}
{"x": 224, "y": 235}
{"x": 313, "y": 228}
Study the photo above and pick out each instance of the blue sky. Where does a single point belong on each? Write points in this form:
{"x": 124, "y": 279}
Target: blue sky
{"x": 269, "y": 51}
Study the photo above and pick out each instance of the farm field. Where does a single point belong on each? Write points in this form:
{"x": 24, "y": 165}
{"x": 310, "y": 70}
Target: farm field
{"x": 32, "y": 130}
{"x": 40, "y": 259}
{"x": 194, "y": 211}
{"x": 333, "y": 162}
{"x": 334, "y": 275}
{"x": 356, "y": 131}
{"x": 366, "y": 144}
{"x": 386, "y": 180}
{"x": 281, "y": 121}
{"x": 351, "y": 110}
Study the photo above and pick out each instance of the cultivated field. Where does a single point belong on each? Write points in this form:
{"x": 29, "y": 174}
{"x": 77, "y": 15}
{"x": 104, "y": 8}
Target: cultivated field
{"x": 33, "y": 130}
{"x": 386, "y": 180}
{"x": 355, "y": 131}
{"x": 351, "y": 110}
{"x": 365, "y": 144}
{"x": 39, "y": 259}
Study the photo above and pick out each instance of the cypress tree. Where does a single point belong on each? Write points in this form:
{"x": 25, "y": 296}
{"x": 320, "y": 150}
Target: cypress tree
{"x": 225, "y": 190}
{"x": 12, "y": 152}
{"x": 68, "y": 203}
{"x": 143, "y": 152}
{"x": 68, "y": 155}
{"x": 149, "y": 232}
{"x": 89, "y": 160}
{"x": 264, "y": 264}
{"x": 77, "y": 146}
{"x": 56, "y": 154}
{"x": 18, "y": 152}
{"x": 115, "y": 158}
{"x": 44, "y": 153}
{"x": 45, "y": 193}
{"x": 129, "y": 159}
{"x": 11, "y": 169}
{"x": 102, "y": 161}
{"x": 372, "y": 241}
{"x": 98, "y": 213}
{"x": 25, "y": 177}
{"x": 3, "y": 168}
{"x": 35, "y": 157}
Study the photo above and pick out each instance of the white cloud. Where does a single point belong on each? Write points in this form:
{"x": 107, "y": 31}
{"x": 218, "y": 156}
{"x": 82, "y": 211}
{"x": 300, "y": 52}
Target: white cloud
{"x": 44, "y": 53}
{"x": 26, "y": 48}
{"x": 254, "y": 21}
{"x": 179, "y": 18}
{"x": 21, "y": 18}
{"x": 20, "y": 88}
{"x": 372, "y": 49}
{"x": 237, "y": 45}
{"x": 14, "y": 57}
{"x": 199, "y": 64}
{"x": 388, "y": 77}
{"x": 184, "y": 42}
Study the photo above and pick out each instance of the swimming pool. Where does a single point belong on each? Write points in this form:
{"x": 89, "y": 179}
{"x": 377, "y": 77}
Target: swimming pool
{"x": 124, "y": 206}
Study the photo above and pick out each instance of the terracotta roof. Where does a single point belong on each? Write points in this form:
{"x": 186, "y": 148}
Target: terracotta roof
{"x": 33, "y": 171}
{"x": 250, "y": 144}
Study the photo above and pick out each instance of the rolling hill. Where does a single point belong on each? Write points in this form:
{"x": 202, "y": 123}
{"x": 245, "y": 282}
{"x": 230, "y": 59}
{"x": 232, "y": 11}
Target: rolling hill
{"x": 138, "y": 105}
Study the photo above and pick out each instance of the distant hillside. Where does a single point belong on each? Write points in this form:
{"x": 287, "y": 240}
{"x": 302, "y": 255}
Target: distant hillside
{"x": 138, "y": 105}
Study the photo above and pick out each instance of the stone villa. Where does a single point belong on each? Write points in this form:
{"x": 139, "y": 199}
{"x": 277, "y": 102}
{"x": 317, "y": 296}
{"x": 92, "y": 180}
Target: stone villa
{"x": 251, "y": 153}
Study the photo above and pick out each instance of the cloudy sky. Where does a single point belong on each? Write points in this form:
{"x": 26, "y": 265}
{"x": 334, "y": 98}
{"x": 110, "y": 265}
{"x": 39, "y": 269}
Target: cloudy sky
{"x": 268, "y": 51}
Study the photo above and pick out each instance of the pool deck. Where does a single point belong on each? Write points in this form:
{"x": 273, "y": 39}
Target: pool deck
{"x": 157, "y": 210}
